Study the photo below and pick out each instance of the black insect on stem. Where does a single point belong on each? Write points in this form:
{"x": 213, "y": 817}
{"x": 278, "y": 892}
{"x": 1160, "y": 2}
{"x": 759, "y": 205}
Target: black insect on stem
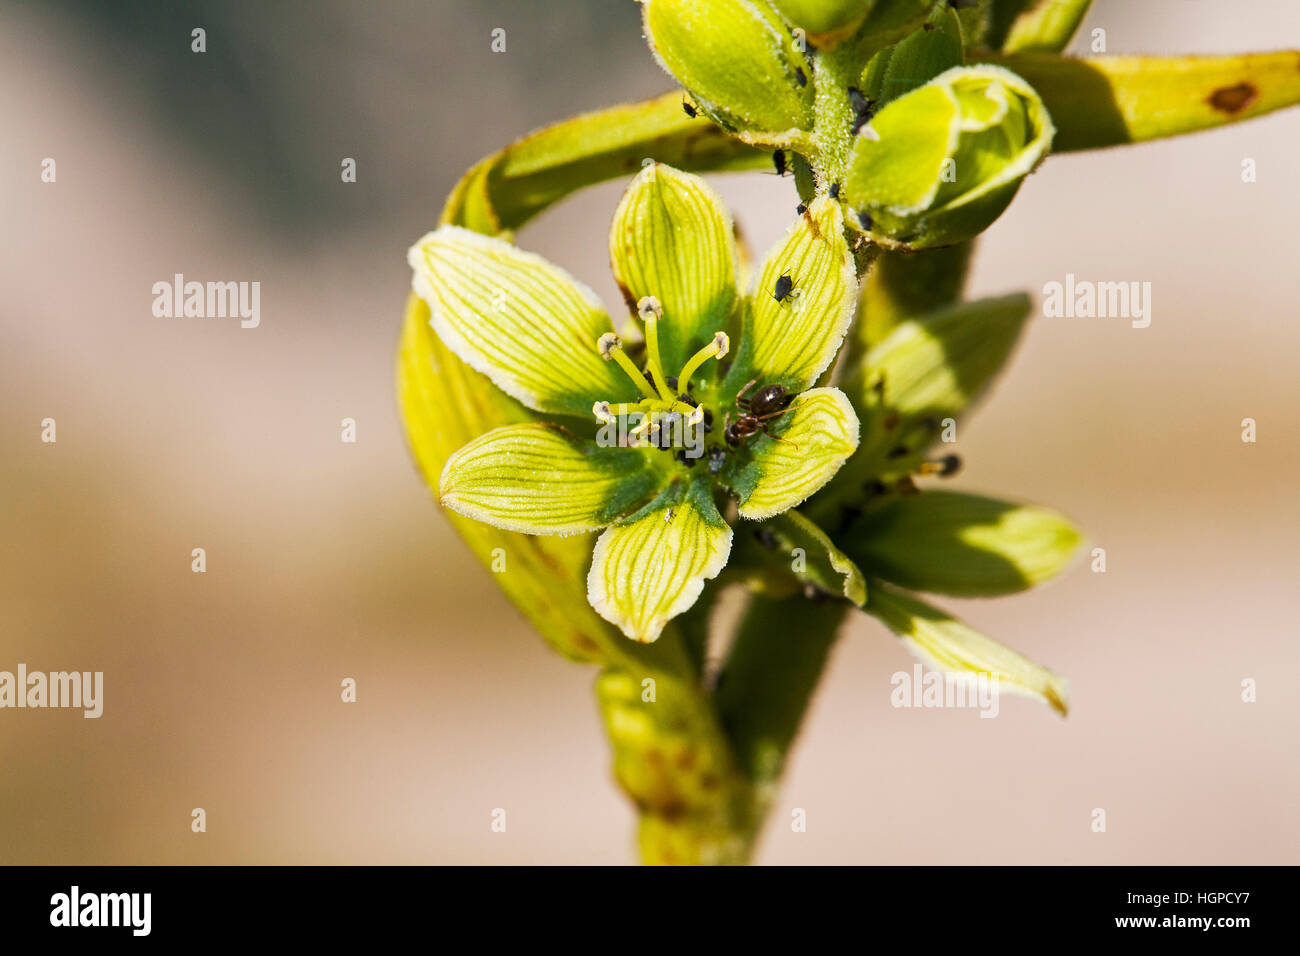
{"x": 863, "y": 109}
{"x": 865, "y": 221}
{"x": 835, "y": 190}
{"x": 800, "y": 76}
{"x": 689, "y": 110}
{"x": 779, "y": 161}
{"x": 800, "y": 209}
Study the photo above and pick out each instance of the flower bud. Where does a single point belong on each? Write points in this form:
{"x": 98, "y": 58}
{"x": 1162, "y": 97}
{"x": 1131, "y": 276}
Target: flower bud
{"x": 739, "y": 62}
{"x": 936, "y": 166}
{"x": 822, "y": 19}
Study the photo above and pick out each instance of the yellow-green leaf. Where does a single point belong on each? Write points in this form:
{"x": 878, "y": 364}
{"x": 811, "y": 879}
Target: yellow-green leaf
{"x": 526, "y": 324}
{"x": 1110, "y": 100}
{"x": 966, "y": 545}
{"x": 672, "y": 238}
{"x": 651, "y": 566}
{"x": 954, "y": 648}
{"x": 506, "y": 189}
{"x": 792, "y": 341}
{"x": 539, "y": 479}
{"x": 929, "y": 369}
{"x": 812, "y": 440}
{"x": 1046, "y": 26}
{"x": 814, "y": 558}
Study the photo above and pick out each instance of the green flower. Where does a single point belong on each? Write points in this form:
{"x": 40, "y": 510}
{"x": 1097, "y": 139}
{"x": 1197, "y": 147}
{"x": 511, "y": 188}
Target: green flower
{"x": 621, "y": 444}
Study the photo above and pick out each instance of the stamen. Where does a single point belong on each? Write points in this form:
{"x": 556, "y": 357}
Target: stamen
{"x": 611, "y": 347}
{"x": 715, "y": 349}
{"x": 651, "y": 312}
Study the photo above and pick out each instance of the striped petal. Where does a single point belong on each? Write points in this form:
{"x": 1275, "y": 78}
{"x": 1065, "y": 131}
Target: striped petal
{"x": 652, "y": 566}
{"x": 811, "y": 442}
{"x": 539, "y": 479}
{"x": 793, "y": 340}
{"x": 526, "y": 324}
{"x": 672, "y": 238}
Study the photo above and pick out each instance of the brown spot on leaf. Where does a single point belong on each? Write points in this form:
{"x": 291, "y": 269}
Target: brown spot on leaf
{"x": 1233, "y": 99}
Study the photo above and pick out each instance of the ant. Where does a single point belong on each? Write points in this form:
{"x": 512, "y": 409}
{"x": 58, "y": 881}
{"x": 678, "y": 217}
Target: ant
{"x": 769, "y": 402}
{"x": 784, "y": 288}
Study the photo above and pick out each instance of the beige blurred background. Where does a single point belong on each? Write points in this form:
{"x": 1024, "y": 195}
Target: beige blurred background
{"x": 328, "y": 560}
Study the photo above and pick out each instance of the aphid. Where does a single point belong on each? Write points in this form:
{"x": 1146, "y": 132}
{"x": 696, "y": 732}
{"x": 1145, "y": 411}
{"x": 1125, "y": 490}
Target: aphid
{"x": 863, "y": 109}
{"x": 799, "y": 75}
{"x": 769, "y": 402}
{"x": 766, "y": 538}
{"x": 800, "y": 209}
{"x": 784, "y": 287}
{"x": 778, "y": 160}
{"x": 865, "y": 221}
{"x": 717, "y": 458}
{"x": 689, "y": 110}
{"x": 835, "y": 190}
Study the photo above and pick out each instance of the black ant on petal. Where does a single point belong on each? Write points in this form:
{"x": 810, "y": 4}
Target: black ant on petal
{"x": 769, "y": 402}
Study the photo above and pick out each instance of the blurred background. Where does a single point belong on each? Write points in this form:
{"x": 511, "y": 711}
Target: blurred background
{"x": 328, "y": 560}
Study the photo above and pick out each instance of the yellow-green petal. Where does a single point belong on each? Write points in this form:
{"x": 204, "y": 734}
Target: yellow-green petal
{"x": 539, "y": 479}
{"x": 954, "y": 648}
{"x": 812, "y": 440}
{"x": 526, "y": 324}
{"x": 672, "y": 238}
{"x": 652, "y": 566}
{"x": 793, "y": 341}
{"x": 965, "y": 545}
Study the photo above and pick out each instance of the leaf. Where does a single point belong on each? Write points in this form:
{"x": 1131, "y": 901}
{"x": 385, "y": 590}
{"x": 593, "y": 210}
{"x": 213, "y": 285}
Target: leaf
{"x": 1110, "y": 100}
{"x": 958, "y": 544}
{"x": 929, "y": 369}
{"x": 673, "y": 238}
{"x": 1046, "y": 26}
{"x": 793, "y": 341}
{"x": 503, "y": 191}
{"x": 739, "y": 62}
{"x": 954, "y": 648}
{"x": 812, "y": 441}
{"x": 526, "y": 324}
{"x": 539, "y": 479}
{"x": 651, "y": 566}
{"x": 824, "y": 565}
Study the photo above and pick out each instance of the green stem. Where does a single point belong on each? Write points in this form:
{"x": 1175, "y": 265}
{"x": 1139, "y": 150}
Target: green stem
{"x": 764, "y": 691}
